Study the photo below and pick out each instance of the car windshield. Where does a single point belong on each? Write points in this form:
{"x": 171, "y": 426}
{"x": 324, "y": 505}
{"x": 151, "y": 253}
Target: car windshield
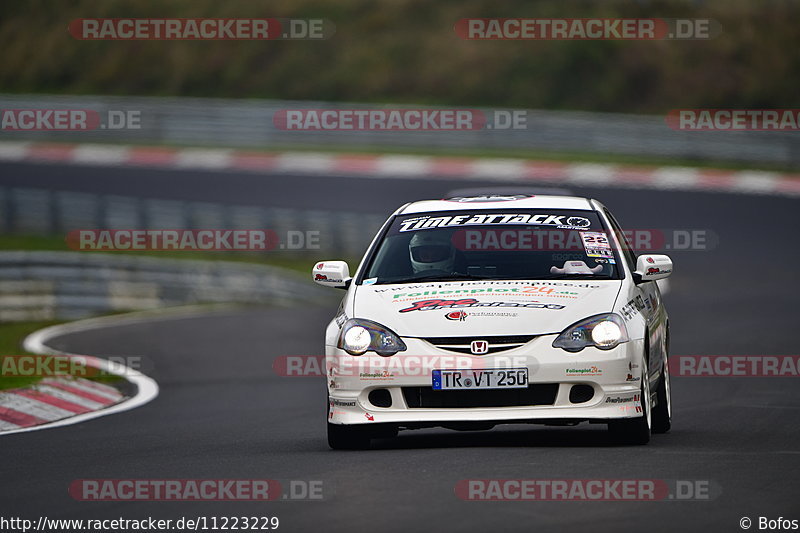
{"x": 496, "y": 244}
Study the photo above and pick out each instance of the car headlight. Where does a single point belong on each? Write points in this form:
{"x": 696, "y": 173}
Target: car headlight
{"x": 359, "y": 336}
{"x": 604, "y": 331}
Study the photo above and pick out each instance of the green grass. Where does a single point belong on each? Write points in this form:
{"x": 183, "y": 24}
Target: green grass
{"x": 406, "y": 51}
{"x": 12, "y": 334}
{"x": 11, "y": 337}
{"x": 13, "y": 373}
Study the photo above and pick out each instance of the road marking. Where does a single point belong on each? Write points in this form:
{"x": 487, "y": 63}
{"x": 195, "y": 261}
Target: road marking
{"x": 12, "y": 421}
{"x": 43, "y": 414}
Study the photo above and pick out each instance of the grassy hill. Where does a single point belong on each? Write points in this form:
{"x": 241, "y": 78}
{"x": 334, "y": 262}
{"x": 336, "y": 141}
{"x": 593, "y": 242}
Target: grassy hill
{"x": 407, "y": 51}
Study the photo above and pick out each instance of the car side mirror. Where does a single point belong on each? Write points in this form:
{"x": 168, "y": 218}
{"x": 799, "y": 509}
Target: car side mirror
{"x": 652, "y": 267}
{"x": 332, "y": 274}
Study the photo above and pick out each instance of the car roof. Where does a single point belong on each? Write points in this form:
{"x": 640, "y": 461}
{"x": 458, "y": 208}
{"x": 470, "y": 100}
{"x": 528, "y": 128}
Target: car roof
{"x": 484, "y": 203}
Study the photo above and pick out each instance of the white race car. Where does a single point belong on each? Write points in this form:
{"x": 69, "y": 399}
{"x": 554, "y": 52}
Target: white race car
{"x": 473, "y": 311}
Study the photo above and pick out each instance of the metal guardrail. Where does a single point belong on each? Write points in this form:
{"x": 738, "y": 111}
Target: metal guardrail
{"x": 72, "y": 285}
{"x": 249, "y": 123}
{"x": 45, "y": 212}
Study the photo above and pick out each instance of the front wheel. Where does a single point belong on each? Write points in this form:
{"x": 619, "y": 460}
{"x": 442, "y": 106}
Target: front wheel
{"x": 635, "y": 430}
{"x": 662, "y": 412}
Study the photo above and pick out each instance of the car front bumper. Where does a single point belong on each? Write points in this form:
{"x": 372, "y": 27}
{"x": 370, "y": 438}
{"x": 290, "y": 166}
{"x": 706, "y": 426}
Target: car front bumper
{"x": 614, "y": 377}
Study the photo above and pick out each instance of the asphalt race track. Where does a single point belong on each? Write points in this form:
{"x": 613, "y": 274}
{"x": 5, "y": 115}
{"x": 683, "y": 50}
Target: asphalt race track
{"x": 223, "y": 413}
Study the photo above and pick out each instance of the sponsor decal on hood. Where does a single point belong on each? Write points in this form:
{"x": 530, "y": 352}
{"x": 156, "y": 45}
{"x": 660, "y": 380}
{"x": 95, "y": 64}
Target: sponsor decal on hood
{"x": 491, "y": 307}
{"x": 456, "y": 315}
{"x": 435, "y": 304}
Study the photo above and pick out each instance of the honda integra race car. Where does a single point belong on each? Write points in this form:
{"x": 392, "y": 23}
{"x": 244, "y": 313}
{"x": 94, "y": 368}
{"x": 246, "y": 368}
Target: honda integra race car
{"x": 468, "y": 312}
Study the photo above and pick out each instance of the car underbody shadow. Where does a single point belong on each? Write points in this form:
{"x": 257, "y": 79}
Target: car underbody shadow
{"x": 583, "y": 436}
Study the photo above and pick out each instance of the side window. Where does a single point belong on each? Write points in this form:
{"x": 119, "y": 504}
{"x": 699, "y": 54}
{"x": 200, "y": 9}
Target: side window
{"x": 627, "y": 249}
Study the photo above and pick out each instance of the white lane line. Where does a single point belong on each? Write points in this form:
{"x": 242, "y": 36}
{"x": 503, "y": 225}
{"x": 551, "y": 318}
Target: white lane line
{"x": 146, "y": 387}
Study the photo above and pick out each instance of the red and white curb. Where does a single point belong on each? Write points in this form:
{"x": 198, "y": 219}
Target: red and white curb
{"x": 53, "y": 399}
{"x": 61, "y": 401}
{"x": 410, "y": 167}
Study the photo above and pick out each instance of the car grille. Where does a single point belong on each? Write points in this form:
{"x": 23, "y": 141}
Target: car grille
{"x": 496, "y": 344}
{"x": 427, "y": 398}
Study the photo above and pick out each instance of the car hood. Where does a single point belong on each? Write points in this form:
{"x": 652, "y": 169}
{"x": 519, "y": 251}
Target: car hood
{"x": 471, "y": 308}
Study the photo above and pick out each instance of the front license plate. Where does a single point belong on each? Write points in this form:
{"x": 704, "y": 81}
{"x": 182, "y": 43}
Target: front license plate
{"x": 506, "y": 378}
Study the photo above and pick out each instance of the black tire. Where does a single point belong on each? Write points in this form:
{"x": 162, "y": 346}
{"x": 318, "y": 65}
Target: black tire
{"x": 341, "y": 437}
{"x": 635, "y": 431}
{"x": 662, "y": 412}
